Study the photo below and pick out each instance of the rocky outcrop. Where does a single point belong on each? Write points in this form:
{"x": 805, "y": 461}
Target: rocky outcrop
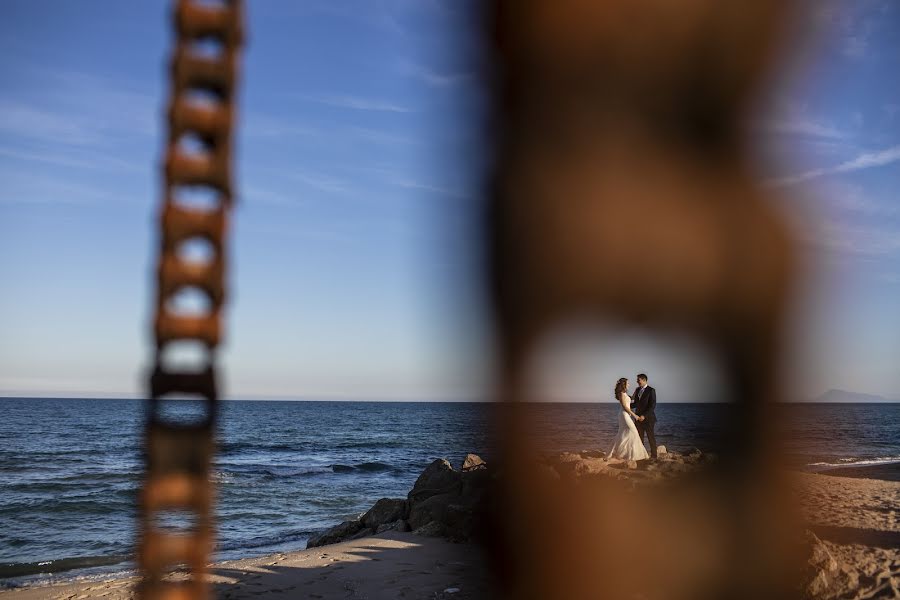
{"x": 449, "y": 502}
{"x": 386, "y": 510}
{"x": 588, "y": 464}
{"x": 338, "y": 533}
{"x": 443, "y": 502}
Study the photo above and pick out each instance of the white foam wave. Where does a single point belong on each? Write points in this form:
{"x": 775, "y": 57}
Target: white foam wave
{"x": 857, "y": 462}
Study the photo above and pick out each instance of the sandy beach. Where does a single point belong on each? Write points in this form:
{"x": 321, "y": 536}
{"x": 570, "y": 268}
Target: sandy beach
{"x": 857, "y": 523}
{"x": 388, "y": 565}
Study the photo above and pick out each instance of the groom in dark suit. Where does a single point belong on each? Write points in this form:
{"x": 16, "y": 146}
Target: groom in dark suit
{"x": 644, "y": 406}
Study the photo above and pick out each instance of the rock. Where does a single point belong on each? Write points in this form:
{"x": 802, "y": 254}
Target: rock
{"x": 592, "y": 466}
{"x": 473, "y": 462}
{"x": 568, "y": 457}
{"x": 437, "y": 478}
{"x": 386, "y": 510}
{"x": 432, "y": 529}
{"x": 364, "y": 532}
{"x": 820, "y": 557}
{"x": 817, "y": 586}
{"x": 434, "y": 508}
{"x": 822, "y": 568}
{"x": 545, "y": 473}
{"x": 661, "y": 451}
{"x": 338, "y": 533}
{"x": 398, "y": 525}
{"x": 592, "y": 454}
{"x": 474, "y": 485}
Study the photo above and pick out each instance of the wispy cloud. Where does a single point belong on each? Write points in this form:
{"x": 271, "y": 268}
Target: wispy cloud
{"x": 84, "y": 111}
{"x": 22, "y": 120}
{"x": 415, "y": 185}
{"x": 355, "y": 103}
{"x": 262, "y": 125}
{"x": 79, "y": 160}
{"x": 319, "y": 181}
{"x": 30, "y": 189}
{"x": 798, "y": 125}
{"x": 851, "y": 24}
{"x": 855, "y": 240}
{"x": 435, "y": 78}
{"x": 853, "y": 201}
{"x": 864, "y": 161}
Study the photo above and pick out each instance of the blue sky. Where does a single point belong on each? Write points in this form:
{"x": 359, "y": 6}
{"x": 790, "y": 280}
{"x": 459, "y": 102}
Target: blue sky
{"x": 352, "y": 247}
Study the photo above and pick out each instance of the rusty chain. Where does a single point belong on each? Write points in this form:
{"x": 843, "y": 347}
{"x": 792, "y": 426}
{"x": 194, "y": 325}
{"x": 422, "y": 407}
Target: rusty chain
{"x": 198, "y": 157}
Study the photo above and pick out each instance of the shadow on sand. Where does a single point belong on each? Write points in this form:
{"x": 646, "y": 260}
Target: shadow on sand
{"x": 391, "y": 565}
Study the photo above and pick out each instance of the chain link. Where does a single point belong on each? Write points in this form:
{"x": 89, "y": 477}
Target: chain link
{"x": 197, "y": 165}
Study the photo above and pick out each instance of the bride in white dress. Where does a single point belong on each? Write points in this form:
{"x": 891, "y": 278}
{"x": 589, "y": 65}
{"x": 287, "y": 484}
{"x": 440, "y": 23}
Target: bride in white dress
{"x": 628, "y": 444}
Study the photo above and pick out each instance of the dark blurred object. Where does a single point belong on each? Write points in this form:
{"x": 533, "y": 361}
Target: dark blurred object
{"x": 619, "y": 154}
{"x": 177, "y": 488}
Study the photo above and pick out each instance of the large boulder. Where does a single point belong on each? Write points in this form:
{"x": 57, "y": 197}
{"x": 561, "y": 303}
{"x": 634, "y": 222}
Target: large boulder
{"x": 432, "y": 529}
{"x": 398, "y": 525}
{"x": 386, "y": 510}
{"x": 338, "y": 533}
{"x": 450, "y": 499}
{"x": 474, "y": 484}
{"x": 437, "y": 478}
{"x": 442, "y": 502}
{"x": 435, "y": 508}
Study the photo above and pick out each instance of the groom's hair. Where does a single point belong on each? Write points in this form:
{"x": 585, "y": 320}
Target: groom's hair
{"x": 642, "y": 376}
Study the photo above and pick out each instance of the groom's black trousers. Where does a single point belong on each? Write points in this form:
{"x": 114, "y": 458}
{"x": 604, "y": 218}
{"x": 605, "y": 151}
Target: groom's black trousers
{"x": 647, "y": 425}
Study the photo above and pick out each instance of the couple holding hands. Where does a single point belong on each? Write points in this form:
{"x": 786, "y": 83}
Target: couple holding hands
{"x": 636, "y": 418}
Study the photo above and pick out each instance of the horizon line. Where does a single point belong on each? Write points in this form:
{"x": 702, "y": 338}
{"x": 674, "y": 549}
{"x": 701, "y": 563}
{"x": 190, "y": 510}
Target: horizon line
{"x": 4, "y": 396}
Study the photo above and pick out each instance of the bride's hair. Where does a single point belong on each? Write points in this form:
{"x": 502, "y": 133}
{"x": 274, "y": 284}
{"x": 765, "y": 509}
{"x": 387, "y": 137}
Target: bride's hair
{"x": 620, "y": 387}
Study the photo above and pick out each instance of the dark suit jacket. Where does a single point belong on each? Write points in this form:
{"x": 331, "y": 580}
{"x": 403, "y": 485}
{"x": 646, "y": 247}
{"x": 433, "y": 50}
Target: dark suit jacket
{"x": 646, "y": 404}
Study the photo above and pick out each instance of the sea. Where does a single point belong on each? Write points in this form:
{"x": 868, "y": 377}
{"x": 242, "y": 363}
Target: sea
{"x": 70, "y": 468}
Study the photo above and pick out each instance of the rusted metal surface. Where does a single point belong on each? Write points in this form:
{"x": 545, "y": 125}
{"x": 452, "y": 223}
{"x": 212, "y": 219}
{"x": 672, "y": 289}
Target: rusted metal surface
{"x": 178, "y": 455}
{"x": 620, "y": 164}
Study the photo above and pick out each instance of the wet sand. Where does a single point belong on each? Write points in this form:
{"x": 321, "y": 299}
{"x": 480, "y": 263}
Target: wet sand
{"x": 885, "y": 472}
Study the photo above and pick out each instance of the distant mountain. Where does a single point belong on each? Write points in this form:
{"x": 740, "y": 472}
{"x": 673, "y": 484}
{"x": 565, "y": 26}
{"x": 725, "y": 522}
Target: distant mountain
{"x": 845, "y": 396}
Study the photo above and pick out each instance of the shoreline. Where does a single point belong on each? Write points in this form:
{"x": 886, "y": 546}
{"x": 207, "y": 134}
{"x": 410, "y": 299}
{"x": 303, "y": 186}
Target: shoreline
{"x": 854, "y": 526}
{"x": 888, "y": 471}
{"x": 390, "y": 564}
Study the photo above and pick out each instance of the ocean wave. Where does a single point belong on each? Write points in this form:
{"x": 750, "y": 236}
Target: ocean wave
{"x": 296, "y": 471}
{"x": 8, "y": 570}
{"x": 227, "y": 472}
{"x": 237, "y": 447}
{"x": 262, "y": 542}
{"x": 376, "y": 444}
{"x": 371, "y": 467}
{"x": 856, "y": 462}
{"x": 96, "y": 503}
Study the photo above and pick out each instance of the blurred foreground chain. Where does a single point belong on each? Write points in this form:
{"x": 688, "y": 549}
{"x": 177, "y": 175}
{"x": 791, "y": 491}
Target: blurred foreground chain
{"x": 197, "y": 199}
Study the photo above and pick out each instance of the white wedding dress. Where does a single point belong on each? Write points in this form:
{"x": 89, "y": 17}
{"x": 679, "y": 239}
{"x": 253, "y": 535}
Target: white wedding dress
{"x": 627, "y": 445}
